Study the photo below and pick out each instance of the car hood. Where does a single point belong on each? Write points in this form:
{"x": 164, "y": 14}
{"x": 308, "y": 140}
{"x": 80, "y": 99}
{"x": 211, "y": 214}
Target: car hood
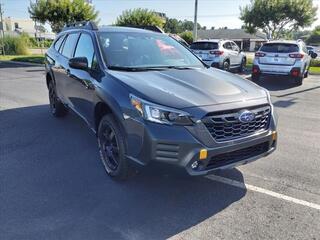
{"x": 189, "y": 88}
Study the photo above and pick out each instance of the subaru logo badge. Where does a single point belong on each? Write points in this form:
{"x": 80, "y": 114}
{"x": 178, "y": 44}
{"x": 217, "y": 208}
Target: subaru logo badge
{"x": 246, "y": 116}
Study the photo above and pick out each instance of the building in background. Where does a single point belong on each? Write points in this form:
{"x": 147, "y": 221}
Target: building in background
{"x": 246, "y": 41}
{"x": 16, "y": 26}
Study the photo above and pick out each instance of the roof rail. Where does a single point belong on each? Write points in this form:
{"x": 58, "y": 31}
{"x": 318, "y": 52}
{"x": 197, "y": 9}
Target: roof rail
{"x": 148, "y": 27}
{"x": 89, "y": 25}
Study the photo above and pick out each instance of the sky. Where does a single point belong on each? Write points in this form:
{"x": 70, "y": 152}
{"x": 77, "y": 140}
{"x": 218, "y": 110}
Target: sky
{"x": 217, "y": 13}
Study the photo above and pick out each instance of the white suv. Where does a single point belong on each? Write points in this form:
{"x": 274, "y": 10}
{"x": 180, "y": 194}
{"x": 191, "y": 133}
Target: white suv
{"x": 289, "y": 58}
{"x": 224, "y": 54}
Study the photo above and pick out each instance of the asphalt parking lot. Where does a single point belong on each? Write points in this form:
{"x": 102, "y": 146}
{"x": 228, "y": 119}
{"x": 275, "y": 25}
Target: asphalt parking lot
{"x": 53, "y": 186}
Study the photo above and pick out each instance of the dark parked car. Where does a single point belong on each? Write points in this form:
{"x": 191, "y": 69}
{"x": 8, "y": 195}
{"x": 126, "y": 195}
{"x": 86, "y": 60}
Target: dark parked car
{"x": 149, "y": 99}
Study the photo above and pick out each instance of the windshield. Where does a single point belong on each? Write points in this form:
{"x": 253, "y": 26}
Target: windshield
{"x": 144, "y": 50}
{"x": 204, "y": 45}
{"x": 279, "y": 48}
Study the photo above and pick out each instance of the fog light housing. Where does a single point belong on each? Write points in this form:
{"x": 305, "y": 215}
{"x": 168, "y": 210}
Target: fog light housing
{"x": 274, "y": 135}
{"x": 195, "y": 165}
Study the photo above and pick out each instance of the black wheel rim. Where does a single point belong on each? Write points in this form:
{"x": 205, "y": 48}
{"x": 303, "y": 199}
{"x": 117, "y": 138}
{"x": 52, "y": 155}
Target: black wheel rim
{"x": 109, "y": 148}
{"x": 52, "y": 98}
{"x": 226, "y": 66}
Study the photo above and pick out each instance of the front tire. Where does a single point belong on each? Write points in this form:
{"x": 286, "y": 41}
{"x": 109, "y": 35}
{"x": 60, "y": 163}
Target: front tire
{"x": 56, "y": 106}
{"x": 112, "y": 148}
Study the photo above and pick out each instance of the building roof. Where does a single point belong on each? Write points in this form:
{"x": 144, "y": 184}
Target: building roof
{"x": 229, "y": 34}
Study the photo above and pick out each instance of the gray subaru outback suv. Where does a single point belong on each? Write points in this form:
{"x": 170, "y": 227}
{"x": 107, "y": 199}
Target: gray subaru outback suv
{"x": 150, "y": 100}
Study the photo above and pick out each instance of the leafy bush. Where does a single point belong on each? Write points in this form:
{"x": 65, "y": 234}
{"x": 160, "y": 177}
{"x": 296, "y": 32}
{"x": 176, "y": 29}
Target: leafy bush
{"x": 187, "y": 36}
{"x": 315, "y": 63}
{"x": 34, "y": 43}
{"x": 15, "y": 45}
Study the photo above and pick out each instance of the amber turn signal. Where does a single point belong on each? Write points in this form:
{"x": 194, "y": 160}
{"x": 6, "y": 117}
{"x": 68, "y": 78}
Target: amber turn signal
{"x": 203, "y": 154}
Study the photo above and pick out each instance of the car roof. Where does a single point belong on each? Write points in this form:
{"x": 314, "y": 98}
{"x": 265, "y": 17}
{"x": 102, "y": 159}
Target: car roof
{"x": 112, "y": 29}
{"x": 208, "y": 40}
{"x": 283, "y": 41}
{"x": 124, "y": 29}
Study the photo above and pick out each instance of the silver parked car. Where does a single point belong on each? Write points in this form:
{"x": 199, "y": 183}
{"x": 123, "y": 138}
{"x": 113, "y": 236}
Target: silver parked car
{"x": 290, "y": 58}
{"x": 224, "y": 54}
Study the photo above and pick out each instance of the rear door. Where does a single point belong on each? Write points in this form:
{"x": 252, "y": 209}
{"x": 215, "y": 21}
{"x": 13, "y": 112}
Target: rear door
{"x": 278, "y": 54}
{"x": 230, "y": 53}
{"x": 54, "y": 57}
{"x": 236, "y": 52}
{"x": 62, "y": 80}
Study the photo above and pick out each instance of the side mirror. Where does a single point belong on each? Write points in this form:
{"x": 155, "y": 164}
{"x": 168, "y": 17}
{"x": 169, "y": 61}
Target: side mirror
{"x": 240, "y": 50}
{"x": 79, "y": 63}
{"x": 313, "y": 55}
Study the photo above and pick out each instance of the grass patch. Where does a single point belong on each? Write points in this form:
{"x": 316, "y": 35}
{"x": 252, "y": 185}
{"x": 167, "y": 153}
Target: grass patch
{"x": 23, "y": 58}
{"x": 314, "y": 70}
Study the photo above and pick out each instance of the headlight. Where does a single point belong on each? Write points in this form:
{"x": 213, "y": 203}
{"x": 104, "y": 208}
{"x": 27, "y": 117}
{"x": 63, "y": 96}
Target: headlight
{"x": 160, "y": 114}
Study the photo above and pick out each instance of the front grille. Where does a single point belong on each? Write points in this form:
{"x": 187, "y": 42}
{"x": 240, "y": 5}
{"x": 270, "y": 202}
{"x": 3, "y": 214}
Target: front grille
{"x": 238, "y": 155}
{"x": 225, "y": 126}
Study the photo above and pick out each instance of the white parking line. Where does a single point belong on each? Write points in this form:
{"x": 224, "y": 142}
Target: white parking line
{"x": 262, "y": 190}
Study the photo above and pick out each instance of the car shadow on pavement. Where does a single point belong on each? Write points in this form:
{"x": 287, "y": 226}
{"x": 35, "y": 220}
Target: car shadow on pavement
{"x": 53, "y": 186}
{"x": 9, "y": 64}
{"x": 276, "y": 83}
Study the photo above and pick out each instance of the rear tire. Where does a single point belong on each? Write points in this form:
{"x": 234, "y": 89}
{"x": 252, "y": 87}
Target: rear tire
{"x": 298, "y": 81}
{"x": 56, "y": 106}
{"x": 242, "y": 65}
{"x": 306, "y": 74}
{"x": 255, "y": 77}
{"x": 112, "y": 148}
{"x": 226, "y": 66}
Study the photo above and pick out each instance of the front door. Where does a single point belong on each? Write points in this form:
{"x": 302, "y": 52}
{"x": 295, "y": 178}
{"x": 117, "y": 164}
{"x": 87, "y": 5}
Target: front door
{"x": 82, "y": 82}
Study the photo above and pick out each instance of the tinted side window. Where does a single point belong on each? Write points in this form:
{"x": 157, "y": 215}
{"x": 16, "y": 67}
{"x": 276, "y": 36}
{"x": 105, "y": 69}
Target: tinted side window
{"x": 227, "y": 45}
{"x": 85, "y": 48}
{"x": 58, "y": 43}
{"x": 69, "y": 45}
{"x": 234, "y": 46}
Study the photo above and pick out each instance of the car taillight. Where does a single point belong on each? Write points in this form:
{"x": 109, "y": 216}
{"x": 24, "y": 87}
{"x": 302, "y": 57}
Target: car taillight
{"x": 296, "y": 55}
{"x": 216, "y": 52}
{"x": 260, "y": 54}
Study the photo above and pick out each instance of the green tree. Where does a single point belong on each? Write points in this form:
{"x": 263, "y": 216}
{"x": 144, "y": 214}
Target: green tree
{"x": 188, "y": 25}
{"x": 314, "y": 37}
{"x": 172, "y": 26}
{"x": 140, "y": 17}
{"x": 187, "y": 36}
{"x": 273, "y": 16}
{"x": 58, "y": 13}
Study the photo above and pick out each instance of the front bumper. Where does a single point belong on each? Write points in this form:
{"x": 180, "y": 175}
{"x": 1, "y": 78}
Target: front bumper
{"x": 180, "y": 146}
